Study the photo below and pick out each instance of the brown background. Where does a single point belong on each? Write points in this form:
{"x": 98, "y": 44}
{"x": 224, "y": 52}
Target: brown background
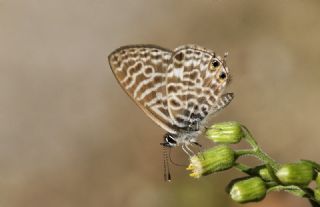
{"x": 69, "y": 136}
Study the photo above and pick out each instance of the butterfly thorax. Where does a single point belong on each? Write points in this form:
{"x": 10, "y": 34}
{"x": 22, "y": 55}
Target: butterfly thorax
{"x": 182, "y": 138}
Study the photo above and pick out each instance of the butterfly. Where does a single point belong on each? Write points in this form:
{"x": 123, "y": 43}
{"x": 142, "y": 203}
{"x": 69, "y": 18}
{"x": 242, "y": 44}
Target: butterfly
{"x": 178, "y": 89}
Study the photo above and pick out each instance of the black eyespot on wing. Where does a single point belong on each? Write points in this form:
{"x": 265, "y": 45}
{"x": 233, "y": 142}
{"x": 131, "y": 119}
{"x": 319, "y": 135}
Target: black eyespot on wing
{"x": 179, "y": 56}
{"x": 215, "y": 63}
{"x": 222, "y": 75}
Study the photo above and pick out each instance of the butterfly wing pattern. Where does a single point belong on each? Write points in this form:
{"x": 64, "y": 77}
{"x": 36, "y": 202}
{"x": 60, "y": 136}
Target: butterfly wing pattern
{"x": 141, "y": 72}
{"x": 191, "y": 86}
{"x": 177, "y": 89}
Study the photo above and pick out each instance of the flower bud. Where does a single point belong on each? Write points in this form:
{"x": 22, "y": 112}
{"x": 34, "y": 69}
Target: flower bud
{"x": 249, "y": 189}
{"x": 225, "y": 132}
{"x": 295, "y": 173}
{"x": 215, "y": 159}
{"x": 318, "y": 180}
{"x": 317, "y": 194}
{"x": 264, "y": 174}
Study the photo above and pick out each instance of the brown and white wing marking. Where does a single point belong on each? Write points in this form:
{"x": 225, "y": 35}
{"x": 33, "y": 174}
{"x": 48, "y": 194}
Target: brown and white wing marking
{"x": 193, "y": 85}
{"x": 141, "y": 72}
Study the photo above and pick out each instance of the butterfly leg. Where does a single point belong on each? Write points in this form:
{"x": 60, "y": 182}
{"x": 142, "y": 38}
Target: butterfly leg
{"x": 187, "y": 150}
{"x": 166, "y": 168}
{"x": 190, "y": 150}
{"x": 197, "y": 144}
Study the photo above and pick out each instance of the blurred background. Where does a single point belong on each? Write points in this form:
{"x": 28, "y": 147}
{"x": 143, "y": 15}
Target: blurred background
{"x": 69, "y": 135}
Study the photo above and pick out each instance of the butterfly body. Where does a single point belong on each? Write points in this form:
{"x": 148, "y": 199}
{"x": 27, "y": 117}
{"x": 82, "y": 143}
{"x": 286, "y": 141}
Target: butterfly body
{"x": 179, "y": 90}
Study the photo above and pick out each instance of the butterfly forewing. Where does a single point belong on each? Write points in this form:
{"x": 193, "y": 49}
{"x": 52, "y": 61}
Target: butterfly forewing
{"x": 141, "y": 71}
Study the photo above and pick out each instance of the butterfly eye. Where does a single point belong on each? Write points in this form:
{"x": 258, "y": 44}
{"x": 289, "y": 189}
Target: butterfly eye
{"x": 169, "y": 141}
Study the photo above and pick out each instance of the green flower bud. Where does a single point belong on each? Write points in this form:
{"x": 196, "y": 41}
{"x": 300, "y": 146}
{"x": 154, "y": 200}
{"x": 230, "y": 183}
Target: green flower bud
{"x": 247, "y": 190}
{"x": 225, "y": 132}
{"x": 295, "y": 173}
{"x": 317, "y": 194}
{"x": 216, "y": 159}
{"x": 265, "y": 175}
{"x": 318, "y": 180}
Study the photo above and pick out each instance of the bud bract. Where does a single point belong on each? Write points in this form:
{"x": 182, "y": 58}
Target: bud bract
{"x": 318, "y": 180}
{"x": 317, "y": 194}
{"x": 265, "y": 175}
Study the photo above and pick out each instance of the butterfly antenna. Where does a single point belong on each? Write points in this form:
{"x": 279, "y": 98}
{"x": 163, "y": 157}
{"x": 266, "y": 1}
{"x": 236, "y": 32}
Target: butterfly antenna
{"x": 224, "y": 61}
{"x": 166, "y": 168}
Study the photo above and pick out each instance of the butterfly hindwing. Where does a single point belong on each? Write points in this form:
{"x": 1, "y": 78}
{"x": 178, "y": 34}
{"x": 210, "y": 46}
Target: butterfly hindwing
{"x": 192, "y": 87}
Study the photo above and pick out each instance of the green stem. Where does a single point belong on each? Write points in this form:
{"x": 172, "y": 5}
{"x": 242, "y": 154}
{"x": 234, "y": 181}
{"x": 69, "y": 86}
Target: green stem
{"x": 245, "y": 152}
{"x": 266, "y": 159}
{"x": 243, "y": 168}
{"x": 257, "y": 152}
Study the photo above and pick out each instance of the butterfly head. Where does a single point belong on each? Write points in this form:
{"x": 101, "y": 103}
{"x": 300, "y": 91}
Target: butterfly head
{"x": 169, "y": 140}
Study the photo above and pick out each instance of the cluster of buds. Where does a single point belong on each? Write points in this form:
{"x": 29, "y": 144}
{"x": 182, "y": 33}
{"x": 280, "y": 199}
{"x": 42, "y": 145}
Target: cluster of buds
{"x": 221, "y": 157}
{"x": 256, "y": 186}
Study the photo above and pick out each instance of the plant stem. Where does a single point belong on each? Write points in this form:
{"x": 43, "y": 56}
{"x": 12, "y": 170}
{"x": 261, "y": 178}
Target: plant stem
{"x": 257, "y": 151}
{"x": 243, "y": 168}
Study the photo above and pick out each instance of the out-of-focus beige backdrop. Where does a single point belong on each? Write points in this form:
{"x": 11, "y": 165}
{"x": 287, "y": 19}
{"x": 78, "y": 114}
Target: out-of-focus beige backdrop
{"x": 69, "y": 135}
